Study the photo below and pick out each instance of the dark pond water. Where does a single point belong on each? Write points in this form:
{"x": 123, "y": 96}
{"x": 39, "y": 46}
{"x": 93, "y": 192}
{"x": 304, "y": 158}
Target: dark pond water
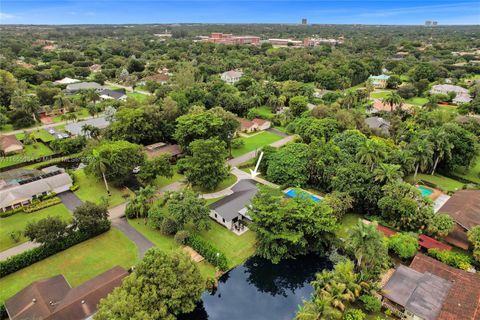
{"x": 260, "y": 290}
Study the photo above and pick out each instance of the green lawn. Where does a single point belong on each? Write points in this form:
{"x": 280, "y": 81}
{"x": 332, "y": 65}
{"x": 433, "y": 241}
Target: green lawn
{"x": 30, "y": 152}
{"x": 255, "y": 142}
{"x": 449, "y": 109}
{"x": 346, "y": 224}
{"x": 417, "y": 101}
{"x": 40, "y": 134}
{"x": 78, "y": 263}
{"x": 19, "y": 221}
{"x": 92, "y": 189}
{"x": 162, "y": 181}
{"x": 137, "y": 96}
{"x": 380, "y": 95}
{"x": 264, "y": 112}
{"x": 231, "y": 179}
{"x": 236, "y": 248}
{"x": 473, "y": 174}
{"x": 444, "y": 183}
{"x": 82, "y": 113}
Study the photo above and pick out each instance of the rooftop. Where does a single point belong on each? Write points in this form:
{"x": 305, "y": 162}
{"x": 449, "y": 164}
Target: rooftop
{"x": 464, "y": 208}
{"x": 76, "y": 127}
{"x": 230, "y": 206}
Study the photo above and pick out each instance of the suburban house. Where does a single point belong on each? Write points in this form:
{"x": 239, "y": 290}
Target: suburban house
{"x": 9, "y": 144}
{"x": 228, "y": 38}
{"x": 18, "y": 193}
{"x": 256, "y": 124}
{"x": 378, "y": 125}
{"x": 66, "y": 80}
{"x": 159, "y": 148}
{"x": 108, "y": 94}
{"x": 75, "y": 87}
{"x": 162, "y": 77}
{"x": 432, "y": 290}
{"x": 95, "y": 68}
{"x": 285, "y": 43}
{"x": 75, "y": 128}
{"x": 54, "y": 298}
{"x": 462, "y": 94}
{"x": 231, "y": 76}
{"x": 379, "y": 82}
{"x": 313, "y": 42}
{"x": 464, "y": 208}
{"x": 232, "y": 209}
{"x": 380, "y": 106}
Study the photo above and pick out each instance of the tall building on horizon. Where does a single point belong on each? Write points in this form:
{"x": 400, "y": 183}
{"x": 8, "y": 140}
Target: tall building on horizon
{"x": 430, "y": 23}
{"x": 304, "y": 21}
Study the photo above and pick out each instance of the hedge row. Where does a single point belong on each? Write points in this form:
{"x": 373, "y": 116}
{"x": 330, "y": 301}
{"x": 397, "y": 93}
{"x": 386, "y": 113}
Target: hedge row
{"x": 209, "y": 252}
{"x": 32, "y": 256}
{"x": 41, "y": 205}
{"x": 454, "y": 259}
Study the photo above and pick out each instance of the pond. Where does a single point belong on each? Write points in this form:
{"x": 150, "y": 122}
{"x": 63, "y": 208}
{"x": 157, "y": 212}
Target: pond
{"x": 261, "y": 290}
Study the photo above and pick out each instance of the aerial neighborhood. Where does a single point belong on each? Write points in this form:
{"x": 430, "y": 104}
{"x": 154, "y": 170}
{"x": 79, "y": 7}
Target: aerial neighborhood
{"x": 240, "y": 171}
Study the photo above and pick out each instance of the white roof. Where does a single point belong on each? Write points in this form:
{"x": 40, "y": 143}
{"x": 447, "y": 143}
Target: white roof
{"x": 232, "y": 74}
{"x": 446, "y": 88}
{"x": 67, "y": 80}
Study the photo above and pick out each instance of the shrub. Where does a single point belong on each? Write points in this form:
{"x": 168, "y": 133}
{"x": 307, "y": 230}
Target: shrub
{"x": 209, "y": 252}
{"x": 74, "y": 187}
{"x": 42, "y": 204}
{"x": 474, "y": 238}
{"x": 441, "y": 224}
{"x": 405, "y": 245}
{"x": 11, "y": 212}
{"x": 168, "y": 226}
{"x": 15, "y": 235}
{"x": 370, "y": 303}
{"x": 181, "y": 236}
{"x": 354, "y": 314}
{"x": 237, "y": 143}
{"x": 454, "y": 259}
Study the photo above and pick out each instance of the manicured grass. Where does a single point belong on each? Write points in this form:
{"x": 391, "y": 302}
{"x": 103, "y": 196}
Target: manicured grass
{"x": 92, "y": 189}
{"x": 30, "y": 152}
{"x": 380, "y": 94}
{"x": 449, "y": 109}
{"x": 230, "y": 180}
{"x": 78, "y": 263}
{"x": 236, "y": 248}
{"x": 346, "y": 224}
{"x": 137, "y": 96}
{"x": 40, "y": 134}
{"x": 444, "y": 183}
{"x": 473, "y": 174}
{"x": 255, "y": 142}
{"x": 6, "y": 128}
{"x": 82, "y": 113}
{"x": 162, "y": 181}
{"x": 19, "y": 221}
{"x": 417, "y": 101}
{"x": 264, "y": 112}
{"x": 404, "y": 78}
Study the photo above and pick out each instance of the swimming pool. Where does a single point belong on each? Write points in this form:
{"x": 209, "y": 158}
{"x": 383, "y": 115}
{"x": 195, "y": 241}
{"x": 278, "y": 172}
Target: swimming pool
{"x": 425, "y": 191}
{"x": 294, "y": 193}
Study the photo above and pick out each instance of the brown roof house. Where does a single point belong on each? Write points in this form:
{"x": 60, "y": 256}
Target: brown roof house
{"x": 53, "y": 298}
{"x": 464, "y": 208}
{"x": 10, "y": 144}
{"x": 256, "y": 124}
{"x": 159, "y": 148}
{"x": 432, "y": 290}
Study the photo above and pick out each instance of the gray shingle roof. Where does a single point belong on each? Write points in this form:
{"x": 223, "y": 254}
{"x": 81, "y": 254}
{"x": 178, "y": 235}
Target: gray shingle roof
{"x": 76, "y": 127}
{"x": 229, "y": 207}
{"x": 83, "y": 86}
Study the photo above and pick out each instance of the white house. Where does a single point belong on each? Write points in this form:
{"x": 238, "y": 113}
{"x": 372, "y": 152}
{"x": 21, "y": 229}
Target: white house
{"x": 231, "y": 76}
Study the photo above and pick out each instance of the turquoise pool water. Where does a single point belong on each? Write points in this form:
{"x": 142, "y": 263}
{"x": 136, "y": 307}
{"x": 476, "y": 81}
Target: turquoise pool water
{"x": 294, "y": 192}
{"x": 425, "y": 191}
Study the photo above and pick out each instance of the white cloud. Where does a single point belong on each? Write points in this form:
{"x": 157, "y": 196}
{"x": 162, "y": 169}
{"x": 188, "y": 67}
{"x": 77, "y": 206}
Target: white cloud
{"x": 6, "y": 16}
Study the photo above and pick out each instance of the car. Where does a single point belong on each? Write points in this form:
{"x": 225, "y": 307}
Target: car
{"x": 65, "y": 135}
{"x": 51, "y": 131}
{"x": 59, "y": 136}
{"x": 136, "y": 169}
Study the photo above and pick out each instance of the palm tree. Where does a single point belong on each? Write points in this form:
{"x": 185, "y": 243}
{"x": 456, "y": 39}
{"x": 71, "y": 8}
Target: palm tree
{"x": 143, "y": 200}
{"x": 92, "y": 95}
{"x": 370, "y": 153}
{"x": 100, "y": 165}
{"x": 350, "y": 99}
{"x": 422, "y": 151}
{"x": 386, "y": 172}
{"x": 432, "y": 103}
{"x": 441, "y": 145}
{"x": 318, "y": 309}
{"x": 61, "y": 102}
{"x": 393, "y": 99}
{"x": 363, "y": 240}
{"x": 90, "y": 131}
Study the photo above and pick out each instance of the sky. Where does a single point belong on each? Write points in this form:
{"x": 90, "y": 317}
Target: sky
{"x": 406, "y": 12}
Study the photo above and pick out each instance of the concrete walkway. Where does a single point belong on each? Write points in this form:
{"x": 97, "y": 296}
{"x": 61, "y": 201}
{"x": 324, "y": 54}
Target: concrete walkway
{"x": 18, "y": 249}
{"x": 142, "y": 243}
{"x": 439, "y": 202}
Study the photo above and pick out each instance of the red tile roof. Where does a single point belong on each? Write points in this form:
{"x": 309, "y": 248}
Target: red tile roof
{"x": 429, "y": 243}
{"x": 245, "y": 124}
{"x": 259, "y": 122}
{"x": 463, "y": 299}
{"x": 386, "y": 231}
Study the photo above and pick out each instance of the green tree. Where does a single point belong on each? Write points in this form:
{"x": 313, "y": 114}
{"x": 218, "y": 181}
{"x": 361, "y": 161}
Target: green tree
{"x": 288, "y": 166}
{"x": 185, "y": 207}
{"x": 474, "y": 238}
{"x": 394, "y": 100}
{"x": 422, "y": 151}
{"x": 340, "y": 202}
{"x": 386, "y": 173}
{"x": 163, "y": 286}
{"x": 441, "y": 224}
{"x": 298, "y": 105}
{"x": 370, "y": 153}
{"x": 141, "y": 204}
{"x": 286, "y": 229}
{"x": 442, "y": 147}
{"x": 159, "y": 166}
{"x": 8, "y": 85}
{"x": 206, "y": 167}
{"x": 46, "y": 231}
{"x": 405, "y": 245}
{"x": 90, "y": 218}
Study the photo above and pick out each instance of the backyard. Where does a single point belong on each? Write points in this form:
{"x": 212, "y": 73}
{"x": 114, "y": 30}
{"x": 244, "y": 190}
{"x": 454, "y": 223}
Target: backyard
{"x": 93, "y": 190}
{"x": 162, "y": 181}
{"x": 30, "y": 152}
{"x": 443, "y": 183}
{"x": 18, "y": 222}
{"x": 472, "y": 174}
{"x": 137, "y": 96}
{"x": 263, "y": 112}
{"x": 39, "y": 134}
{"x": 255, "y": 141}
{"x": 417, "y": 101}
{"x": 78, "y": 263}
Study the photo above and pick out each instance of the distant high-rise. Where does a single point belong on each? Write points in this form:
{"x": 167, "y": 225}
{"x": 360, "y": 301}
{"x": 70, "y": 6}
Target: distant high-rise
{"x": 304, "y": 21}
{"x": 430, "y": 23}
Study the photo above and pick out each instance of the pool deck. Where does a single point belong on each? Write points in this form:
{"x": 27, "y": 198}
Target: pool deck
{"x": 302, "y": 190}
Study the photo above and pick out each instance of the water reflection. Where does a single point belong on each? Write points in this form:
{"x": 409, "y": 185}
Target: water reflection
{"x": 261, "y": 290}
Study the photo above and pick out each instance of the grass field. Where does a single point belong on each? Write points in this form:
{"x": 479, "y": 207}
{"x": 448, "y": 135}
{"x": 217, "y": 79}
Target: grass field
{"x": 137, "y": 96}
{"x": 93, "y": 190}
{"x": 19, "y": 221}
{"x": 417, "y": 101}
{"x": 444, "y": 183}
{"x": 380, "y": 94}
{"x": 230, "y": 180}
{"x": 78, "y": 263}
{"x": 473, "y": 174}
{"x": 264, "y": 112}
{"x": 40, "y": 134}
{"x": 236, "y": 248}
{"x": 82, "y": 113}
{"x": 162, "y": 181}
{"x": 255, "y": 142}
{"x": 30, "y": 152}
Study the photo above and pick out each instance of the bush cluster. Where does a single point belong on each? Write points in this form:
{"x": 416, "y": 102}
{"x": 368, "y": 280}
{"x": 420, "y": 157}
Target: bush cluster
{"x": 42, "y": 204}
{"x": 209, "y": 252}
{"x": 370, "y": 303}
{"x": 454, "y": 259}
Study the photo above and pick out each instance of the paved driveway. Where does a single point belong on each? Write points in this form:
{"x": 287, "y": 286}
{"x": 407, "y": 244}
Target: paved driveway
{"x": 70, "y": 200}
{"x": 143, "y": 244}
